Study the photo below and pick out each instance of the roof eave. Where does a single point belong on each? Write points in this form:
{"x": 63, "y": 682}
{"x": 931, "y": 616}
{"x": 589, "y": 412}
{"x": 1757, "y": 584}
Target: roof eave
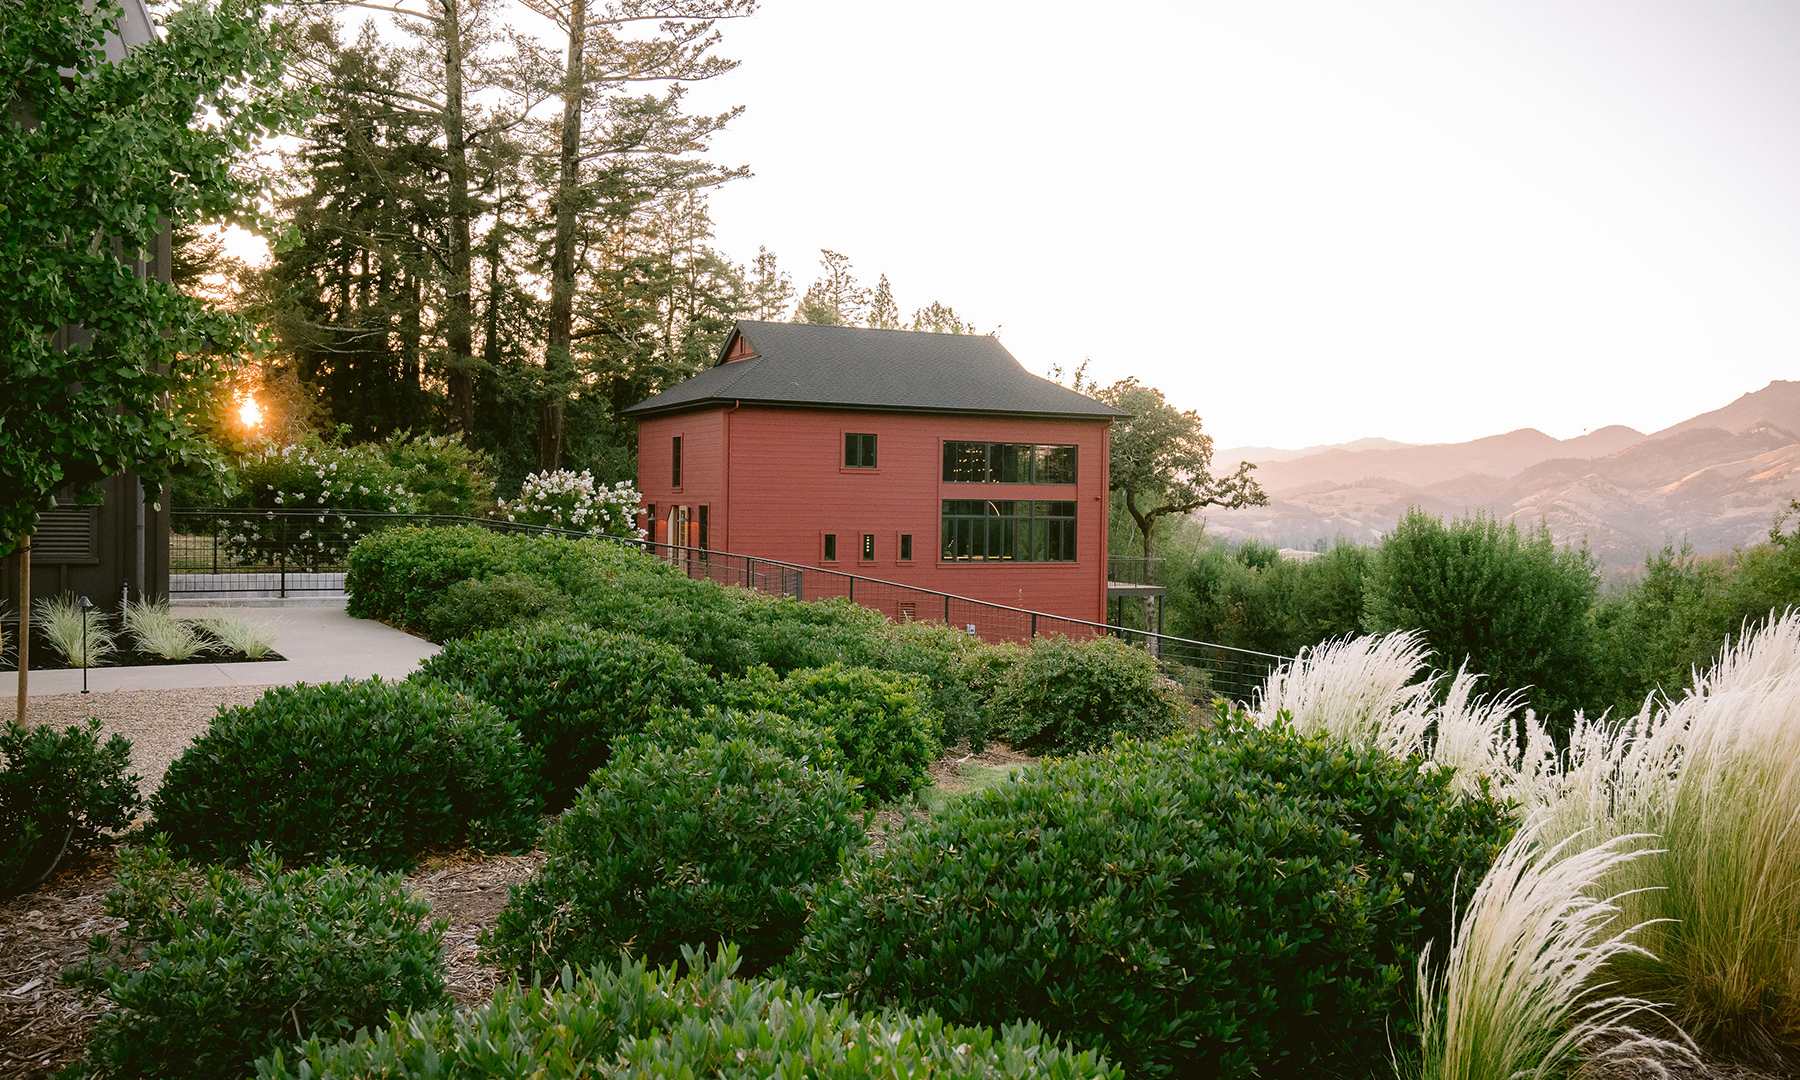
{"x": 639, "y": 412}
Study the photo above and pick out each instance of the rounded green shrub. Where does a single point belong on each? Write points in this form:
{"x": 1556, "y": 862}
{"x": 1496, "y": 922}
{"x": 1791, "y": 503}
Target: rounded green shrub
{"x": 703, "y": 1023}
{"x": 681, "y": 845}
{"x": 59, "y": 792}
{"x": 1243, "y": 903}
{"x": 469, "y": 607}
{"x": 212, "y": 971}
{"x": 1068, "y": 695}
{"x": 571, "y": 691}
{"x": 801, "y": 740}
{"x": 960, "y": 673}
{"x": 880, "y": 719}
{"x": 371, "y": 772}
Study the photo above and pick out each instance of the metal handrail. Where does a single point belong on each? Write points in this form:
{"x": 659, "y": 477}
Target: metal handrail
{"x": 1246, "y": 666}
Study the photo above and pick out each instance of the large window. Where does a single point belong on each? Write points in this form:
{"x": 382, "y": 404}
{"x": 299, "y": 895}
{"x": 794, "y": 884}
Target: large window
{"x": 1013, "y": 530}
{"x": 859, "y": 451}
{"x": 1008, "y": 463}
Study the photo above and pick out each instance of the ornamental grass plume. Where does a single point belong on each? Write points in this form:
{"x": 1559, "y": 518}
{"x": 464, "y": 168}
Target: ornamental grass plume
{"x": 1350, "y": 688}
{"x": 1519, "y": 994}
{"x": 155, "y": 630}
{"x": 1717, "y": 774}
{"x": 60, "y": 621}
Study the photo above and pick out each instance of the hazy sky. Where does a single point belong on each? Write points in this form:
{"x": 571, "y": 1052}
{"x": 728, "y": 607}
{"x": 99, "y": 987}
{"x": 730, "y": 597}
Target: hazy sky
{"x": 1310, "y": 220}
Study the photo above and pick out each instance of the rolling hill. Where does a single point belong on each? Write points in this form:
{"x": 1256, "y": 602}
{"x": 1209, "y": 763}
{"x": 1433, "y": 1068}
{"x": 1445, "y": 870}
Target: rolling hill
{"x": 1717, "y": 479}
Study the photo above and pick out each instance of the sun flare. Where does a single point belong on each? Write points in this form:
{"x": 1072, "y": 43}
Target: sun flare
{"x": 250, "y": 413}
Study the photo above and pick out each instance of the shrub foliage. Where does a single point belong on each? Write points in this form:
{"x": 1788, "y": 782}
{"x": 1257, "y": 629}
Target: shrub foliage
{"x": 1248, "y": 899}
{"x": 369, "y": 771}
{"x": 1068, "y": 695}
{"x": 59, "y": 791}
{"x": 571, "y": 691}
{"x": 660, "y": 1023}
{"x": 212, "y": 971}
{"x": 681, "y": 845}
{"x": 887, "y": 734}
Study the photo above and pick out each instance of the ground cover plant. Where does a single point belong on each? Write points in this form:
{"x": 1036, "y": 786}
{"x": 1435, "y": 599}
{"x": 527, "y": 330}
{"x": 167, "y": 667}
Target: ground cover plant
{"x": 692, "y": 1019}
{"x": 1068, "y": 695}
{"x": 212, "y": 971}
{"x": 570, "y": 691}
{"x": 674, "y": 845}
{"x": 370, "y": 772}
{"x": 1248, "y": 898}
{"x": 59, "y": 792}
{"x": 886, "y": 733}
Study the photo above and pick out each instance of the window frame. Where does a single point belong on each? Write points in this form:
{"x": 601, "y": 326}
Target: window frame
{"x": 872, "y": 447}
{"x": 998, "y": 459}
{"x": 828, "y": 547}
{"x": 675, "y": 463}
{"x": 1046, "y": 530}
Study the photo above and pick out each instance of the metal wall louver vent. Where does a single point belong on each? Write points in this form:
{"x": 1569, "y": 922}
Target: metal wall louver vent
{"x": 66, "y": 534}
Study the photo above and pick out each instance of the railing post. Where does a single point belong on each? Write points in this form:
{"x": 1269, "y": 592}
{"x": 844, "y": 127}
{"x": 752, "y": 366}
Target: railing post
{"x": 853, "y": 590}
{"x": 946, "y": 610}
{"x": 284, "y": 569}
{"x": 1034, "y": 625}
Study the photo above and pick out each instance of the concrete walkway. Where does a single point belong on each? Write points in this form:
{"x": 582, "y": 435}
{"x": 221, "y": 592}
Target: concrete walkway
{"x": 321, "y": 644}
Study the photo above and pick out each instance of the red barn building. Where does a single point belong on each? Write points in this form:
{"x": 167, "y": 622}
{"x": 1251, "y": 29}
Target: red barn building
{"x": 934, "y": 460}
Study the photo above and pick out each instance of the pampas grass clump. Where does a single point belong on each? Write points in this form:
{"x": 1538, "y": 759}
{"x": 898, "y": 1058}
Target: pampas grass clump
{"x": 1519, "y": 995}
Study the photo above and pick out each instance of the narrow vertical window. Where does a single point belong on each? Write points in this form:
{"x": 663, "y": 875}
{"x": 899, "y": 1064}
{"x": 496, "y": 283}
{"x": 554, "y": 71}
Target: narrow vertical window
{"x": 676, "y": 482}
{"x": 906, "y": 547}
{"x": 859, "y": 451}
{"x": 868, "y": 547}
{"x": 831, "y": 547}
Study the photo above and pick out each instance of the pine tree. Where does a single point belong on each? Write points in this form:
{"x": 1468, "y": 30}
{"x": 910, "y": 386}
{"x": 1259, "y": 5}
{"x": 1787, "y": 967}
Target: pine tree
{"x": 884, "y": 314}
{"x": 834, "y": 299}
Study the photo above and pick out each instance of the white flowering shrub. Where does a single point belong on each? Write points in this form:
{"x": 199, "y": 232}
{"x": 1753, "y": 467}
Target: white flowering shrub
{"x": 569, "y": 500}
{"x": 311, "y": 477}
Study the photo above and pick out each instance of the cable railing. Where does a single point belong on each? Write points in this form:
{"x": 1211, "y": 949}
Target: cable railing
{"x": 224, "y": 552}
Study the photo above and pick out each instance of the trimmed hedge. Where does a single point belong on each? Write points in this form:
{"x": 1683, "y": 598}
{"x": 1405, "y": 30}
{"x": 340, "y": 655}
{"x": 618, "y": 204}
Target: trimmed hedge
{"x": 212, "y": 971}
{"x": 801, "y": 740}
{"x": 469, "y": 607}
{"x": 1069, "y": 695}
{"x": 887, "y": 734}
{"x": 570, "y": 691}
{"x": 681, "y": 845}
{"x": 371, "y": 772}
{"x": 59, "y": 791}
{"x": 1249, "y": 900}
{"x": 704, "y": 1023}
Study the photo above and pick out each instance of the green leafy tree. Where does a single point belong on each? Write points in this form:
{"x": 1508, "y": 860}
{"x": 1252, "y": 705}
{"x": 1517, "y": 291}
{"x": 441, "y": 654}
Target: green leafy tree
{"x": 101, "y": 361}
{"x": 1161, "y": 461}
{"x": 1510, "y": 604}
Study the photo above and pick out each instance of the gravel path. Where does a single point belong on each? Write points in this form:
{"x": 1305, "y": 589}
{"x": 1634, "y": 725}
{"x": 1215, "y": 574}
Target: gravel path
{"x": 159, "y": 723}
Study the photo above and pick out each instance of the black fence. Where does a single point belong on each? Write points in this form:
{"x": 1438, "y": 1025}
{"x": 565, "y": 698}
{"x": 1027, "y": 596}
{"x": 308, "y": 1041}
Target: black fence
{"x": 223, "y": 552}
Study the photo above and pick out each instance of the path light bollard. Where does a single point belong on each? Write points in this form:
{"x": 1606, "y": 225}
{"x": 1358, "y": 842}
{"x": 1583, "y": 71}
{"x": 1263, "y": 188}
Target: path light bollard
{"x": 84, "y": 604}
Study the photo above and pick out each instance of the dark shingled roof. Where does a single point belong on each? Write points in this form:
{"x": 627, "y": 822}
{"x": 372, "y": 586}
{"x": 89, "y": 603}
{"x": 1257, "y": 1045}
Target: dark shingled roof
{"x": 804, "y": 365}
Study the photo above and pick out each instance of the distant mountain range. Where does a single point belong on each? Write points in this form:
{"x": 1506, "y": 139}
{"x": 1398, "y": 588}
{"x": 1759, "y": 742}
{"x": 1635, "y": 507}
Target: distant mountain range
{"x": 1717, "y": 479}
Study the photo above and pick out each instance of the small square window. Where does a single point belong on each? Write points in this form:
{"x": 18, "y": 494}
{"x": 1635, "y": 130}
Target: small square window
{"x": 906, "y": 547}
{"x": 868, "y": 554}
{"x": 859, "y": 451}
{"x": 831, "y": 547}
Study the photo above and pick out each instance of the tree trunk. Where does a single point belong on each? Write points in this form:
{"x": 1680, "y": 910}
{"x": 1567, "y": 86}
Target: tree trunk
{"x": 459, "y": 316}
{"x": 24, "y": 649}
{"x": 558, "y": 362}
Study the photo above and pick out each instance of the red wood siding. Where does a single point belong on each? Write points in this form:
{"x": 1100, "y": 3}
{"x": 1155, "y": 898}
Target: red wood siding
{"x": 783, "y": 485}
